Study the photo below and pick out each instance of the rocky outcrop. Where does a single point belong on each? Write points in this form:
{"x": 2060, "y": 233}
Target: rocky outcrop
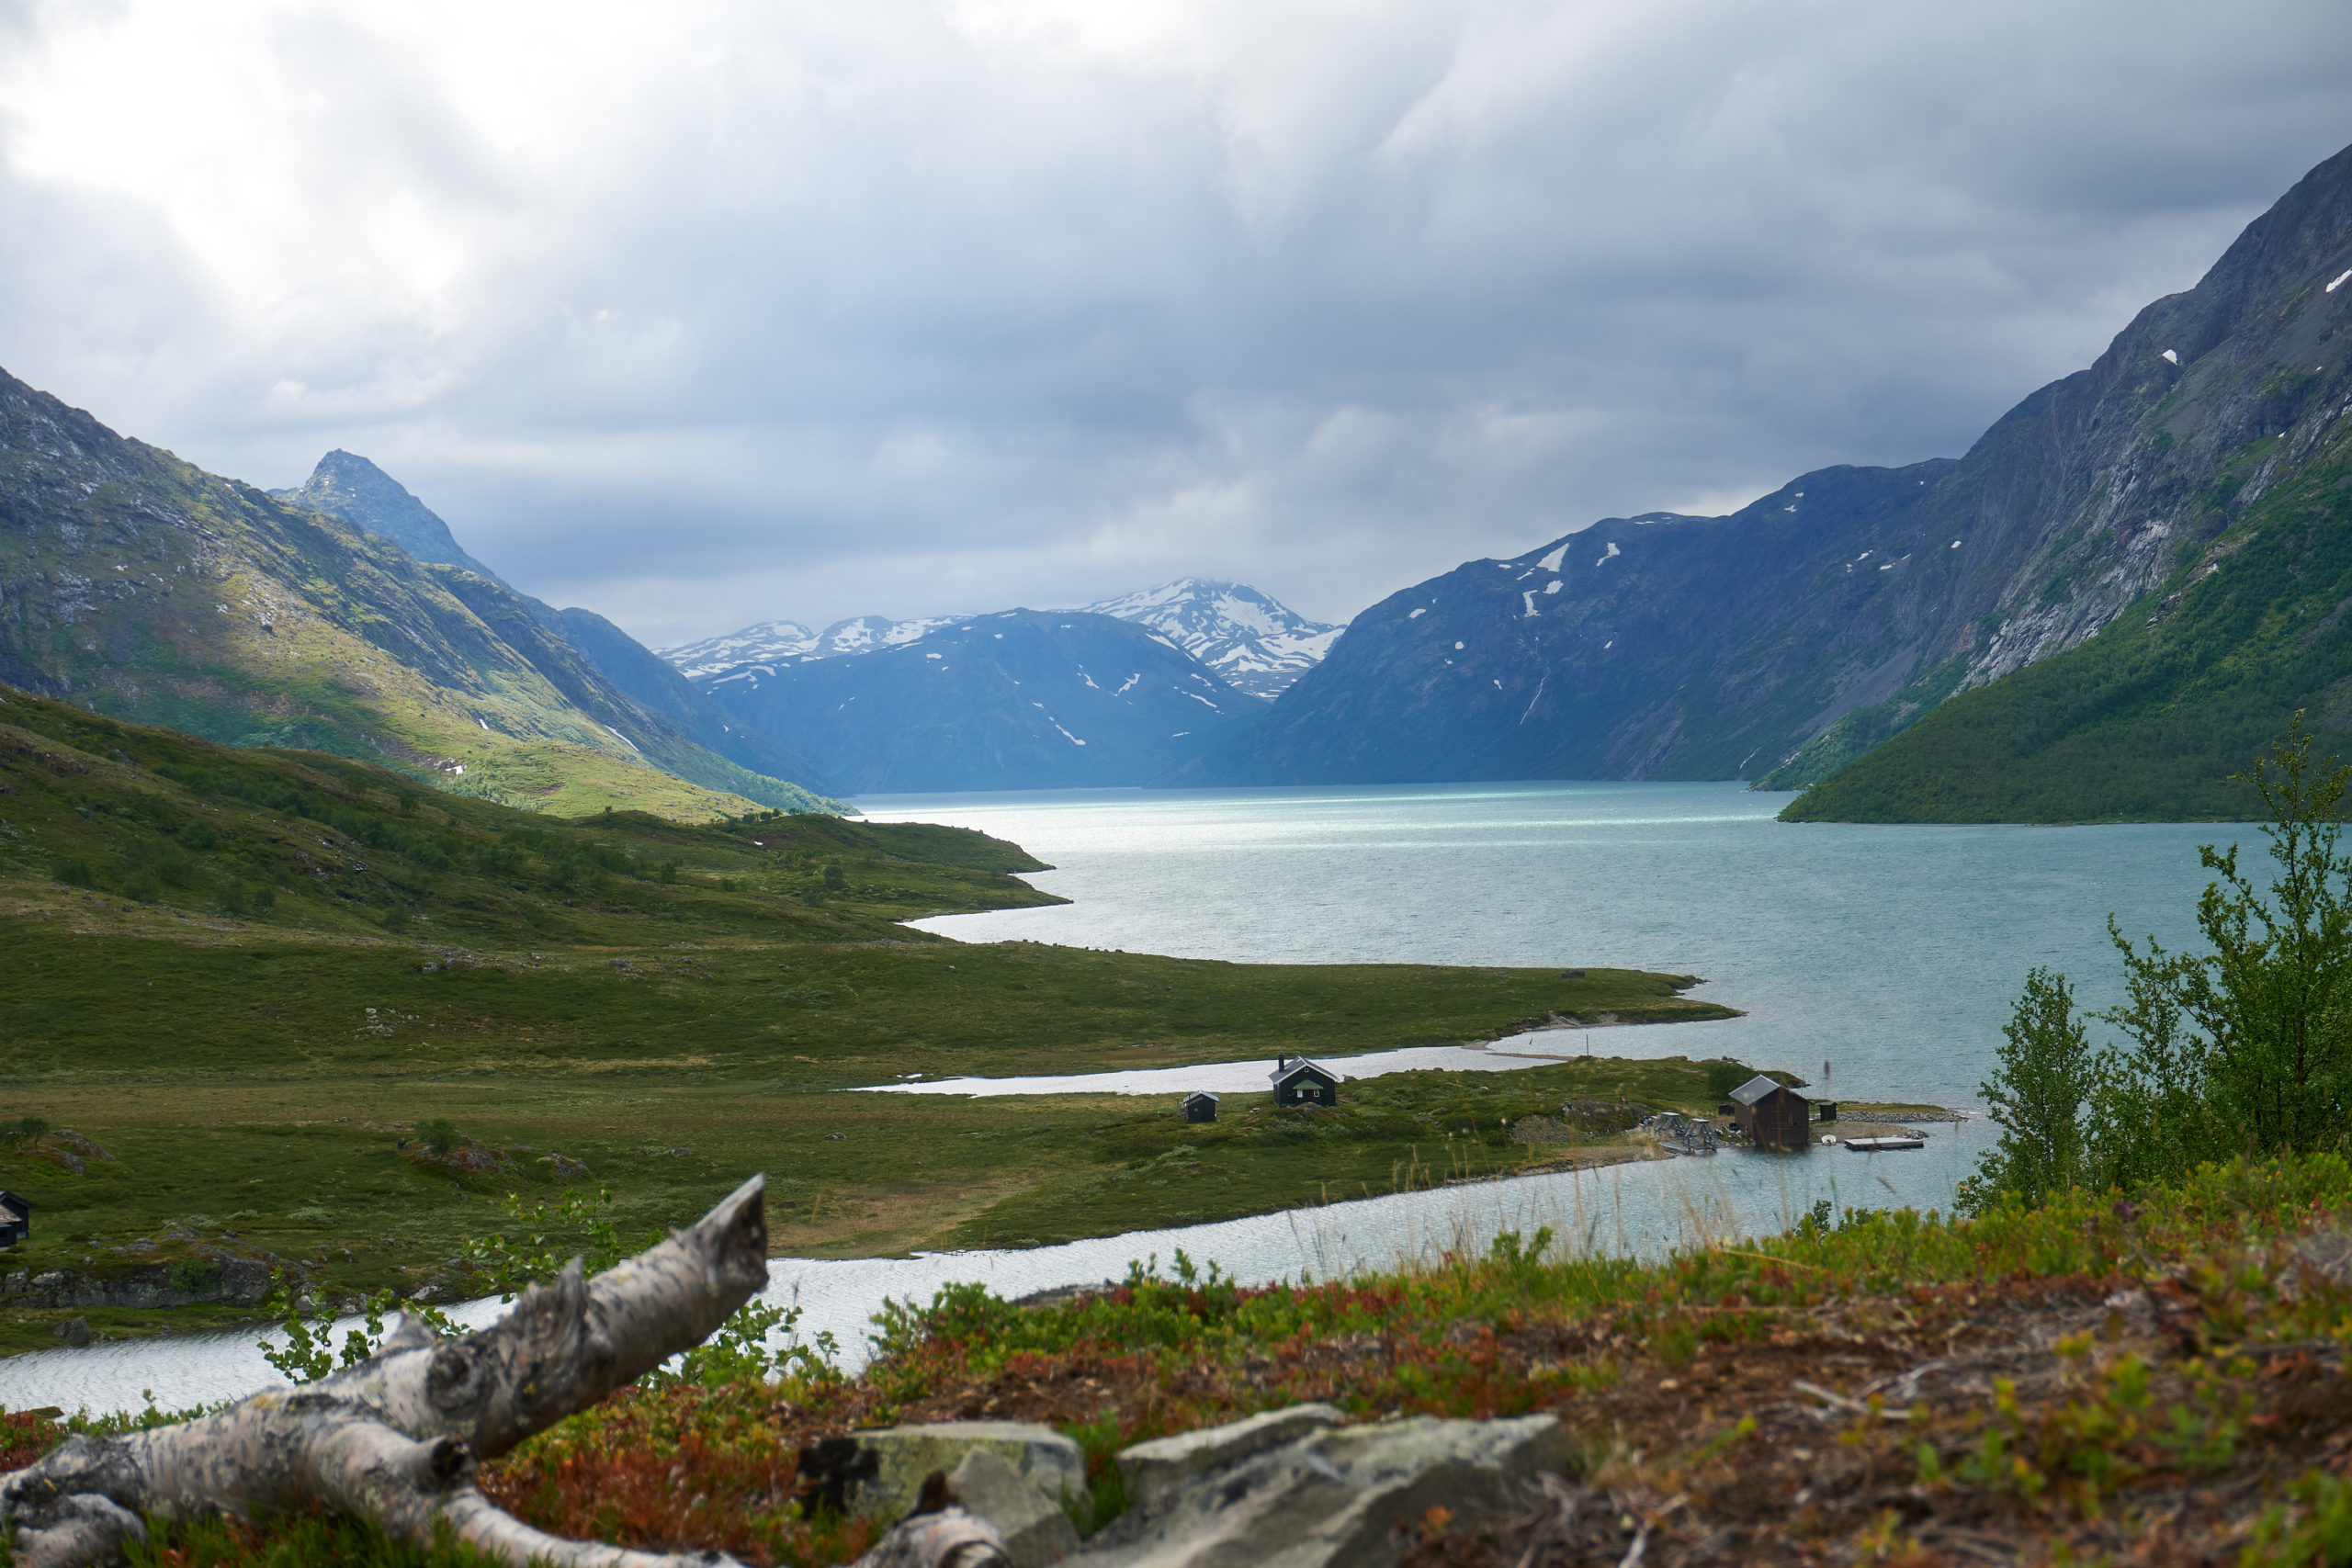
{"x": 225, "y": 1280}
{"x": 1294, "y": 1488}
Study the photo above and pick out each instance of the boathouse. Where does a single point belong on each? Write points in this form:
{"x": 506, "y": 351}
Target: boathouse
{"x": 16, "y": 1218}
{"x": 1200, "y": 1106}
{"x": 1773, "y": 1115}
{"x": 1298, "y": 1082}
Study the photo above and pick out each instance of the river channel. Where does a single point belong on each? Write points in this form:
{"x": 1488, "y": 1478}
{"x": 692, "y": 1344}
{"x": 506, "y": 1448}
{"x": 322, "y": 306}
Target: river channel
{"x": 1879, "y": 961}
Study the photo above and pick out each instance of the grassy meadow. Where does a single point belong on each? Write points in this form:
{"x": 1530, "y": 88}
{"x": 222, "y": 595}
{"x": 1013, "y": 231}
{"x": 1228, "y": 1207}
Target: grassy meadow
{"x": 253, "y": 976}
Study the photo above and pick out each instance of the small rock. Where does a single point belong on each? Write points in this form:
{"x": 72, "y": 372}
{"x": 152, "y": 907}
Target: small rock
{"x": 74, "y": 1331}
{"x": 1034, "y": 1530}
{"x": 566, "y": 1167}
{"x": 836, "y": 1137}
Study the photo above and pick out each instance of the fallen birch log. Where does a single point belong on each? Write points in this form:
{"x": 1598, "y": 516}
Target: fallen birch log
{"x": 396, "y": 1438}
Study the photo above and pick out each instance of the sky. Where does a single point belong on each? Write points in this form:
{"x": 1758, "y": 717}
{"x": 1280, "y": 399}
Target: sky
{"x": 705, "y": 313}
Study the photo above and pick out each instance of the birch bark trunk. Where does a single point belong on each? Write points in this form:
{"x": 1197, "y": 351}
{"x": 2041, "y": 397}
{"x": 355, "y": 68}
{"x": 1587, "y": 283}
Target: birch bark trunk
{"x": 396, "y": 1438}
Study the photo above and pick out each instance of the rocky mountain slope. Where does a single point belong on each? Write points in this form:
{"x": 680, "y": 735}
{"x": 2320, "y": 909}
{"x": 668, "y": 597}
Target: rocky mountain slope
{"x": 1023, "y": 699}
{"x": 350, "y": 487}
{"x": 138, "y": 585}
{"x": 1799, "y": 632}
{"x": 360, "y": 493}
{"x": 1258, "y": 644}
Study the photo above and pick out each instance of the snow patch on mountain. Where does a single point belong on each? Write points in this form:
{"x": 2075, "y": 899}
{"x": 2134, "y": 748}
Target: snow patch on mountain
{"x": 1258, "y": 644}
{"x": 779, "y": 642}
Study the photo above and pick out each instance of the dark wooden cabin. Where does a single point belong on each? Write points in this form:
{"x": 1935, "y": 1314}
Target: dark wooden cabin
{"x": 1298, "y": 1082}
{"x": 1773, "y": 1115}
{"x": 16, "y": 1218}
{"x": 1200, "y": 1106}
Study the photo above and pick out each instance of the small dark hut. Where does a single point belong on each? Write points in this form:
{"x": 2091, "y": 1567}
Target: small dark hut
{"x": 1773, "y": 1115}
{"x": 16, "y": 1218}
{"x": 1298, "y": 1082}
{"x": 1200, "y": 1106}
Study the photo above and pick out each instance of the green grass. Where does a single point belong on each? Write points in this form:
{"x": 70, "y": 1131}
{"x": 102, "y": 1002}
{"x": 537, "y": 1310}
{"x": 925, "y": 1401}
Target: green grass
{"x": 674, "y": 1005}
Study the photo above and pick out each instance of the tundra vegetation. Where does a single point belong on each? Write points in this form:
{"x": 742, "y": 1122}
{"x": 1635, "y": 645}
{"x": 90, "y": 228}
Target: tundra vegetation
{"x": 314, "y": 1015}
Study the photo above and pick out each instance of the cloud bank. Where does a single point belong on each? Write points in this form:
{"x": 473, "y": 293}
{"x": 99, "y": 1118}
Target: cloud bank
{"x": 708, "y": 313}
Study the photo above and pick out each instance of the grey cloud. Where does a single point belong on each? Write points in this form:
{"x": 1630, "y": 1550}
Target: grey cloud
{"x": 911, "y": 308}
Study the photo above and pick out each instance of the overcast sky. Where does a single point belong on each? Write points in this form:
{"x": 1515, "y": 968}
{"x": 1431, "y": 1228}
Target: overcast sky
{"x": 700, "y": 313}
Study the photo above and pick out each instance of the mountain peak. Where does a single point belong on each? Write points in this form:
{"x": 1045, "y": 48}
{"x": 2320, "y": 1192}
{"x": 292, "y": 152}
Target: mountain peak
{"x": 1258, "y": 644}
{"x": 348, "y": 486}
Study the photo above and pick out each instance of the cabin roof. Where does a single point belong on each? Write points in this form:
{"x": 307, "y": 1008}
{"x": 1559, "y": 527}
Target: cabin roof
{"x": 19, "y": 1204}
{"x": 1199, "y": 1094}
{"x": 1295, "y": 1066}
{"x": 1755, "y": 1088}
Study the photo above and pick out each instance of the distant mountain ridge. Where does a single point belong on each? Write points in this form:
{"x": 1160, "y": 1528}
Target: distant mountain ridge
{"x": 140, "y": 586}
{"x": 1253, "y": 642}
{"x": 771, "y": 642}
{"x": 1256, "y": 643}
{"x": 1787, "y": 639}
{"x": 1021, "y": 699}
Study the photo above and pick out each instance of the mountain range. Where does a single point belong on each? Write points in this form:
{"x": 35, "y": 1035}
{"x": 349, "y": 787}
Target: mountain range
{"x": 1021, "y": 699}
{"x": 1788, "y": 640}
{"x": 2102, "y": 609}
{"x": 135, "y": 584}
{"x": 1255, "y": 643}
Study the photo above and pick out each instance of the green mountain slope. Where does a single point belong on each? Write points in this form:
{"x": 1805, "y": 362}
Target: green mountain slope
{"x": 2148, "y": 720}
{"x": 352, "y": 488}
{"x": 136, "y": 584}
{"x": 303, "y": 841}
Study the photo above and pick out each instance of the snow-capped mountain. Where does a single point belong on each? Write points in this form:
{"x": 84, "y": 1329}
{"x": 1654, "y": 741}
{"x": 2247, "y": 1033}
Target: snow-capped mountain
{"x": 777, "y": 642}
{"x": 1258, "y": 644}
{"x": 768, "y": 640}
{"x": 1023, "y": 699}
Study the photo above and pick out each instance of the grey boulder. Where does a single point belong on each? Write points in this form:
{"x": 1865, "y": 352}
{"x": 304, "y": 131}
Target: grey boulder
{"x": 1033, "y": 1526}
{"x": 1256, "y": 1494}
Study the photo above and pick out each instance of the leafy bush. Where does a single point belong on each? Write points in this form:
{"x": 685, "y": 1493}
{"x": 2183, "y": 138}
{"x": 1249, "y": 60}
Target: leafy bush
{"x": 439, "y": 1134}
{"x": 195, "y": 1275}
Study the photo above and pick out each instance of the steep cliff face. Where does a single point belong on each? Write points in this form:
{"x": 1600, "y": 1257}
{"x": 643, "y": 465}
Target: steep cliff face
{"x": 1807, "y": 627}
{"x": 140, "y": 585}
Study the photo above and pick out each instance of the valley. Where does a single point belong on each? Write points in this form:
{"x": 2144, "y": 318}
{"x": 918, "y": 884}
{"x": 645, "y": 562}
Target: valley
{"x": 252, "y": 976}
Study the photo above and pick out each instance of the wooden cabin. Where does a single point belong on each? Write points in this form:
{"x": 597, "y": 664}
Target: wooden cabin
{"x": 1200, "y": 1106}
{"x": 16, "y": 1218}
{"x": 1773, "y": 1115}
{"x": 1298, "y": 1082}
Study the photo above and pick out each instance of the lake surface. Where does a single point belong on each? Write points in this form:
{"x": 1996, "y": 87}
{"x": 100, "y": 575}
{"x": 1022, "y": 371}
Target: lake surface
{"x": 1879, "y": 961}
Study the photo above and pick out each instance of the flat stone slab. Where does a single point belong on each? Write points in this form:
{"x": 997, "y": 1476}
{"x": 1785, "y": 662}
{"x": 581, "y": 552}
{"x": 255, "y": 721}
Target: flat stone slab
{"x": 1330, "y": 1497}
{"x": 902, "y": 1456}
{"x": 1154, "y": 1470}
{"x": 1036, "y": 1532}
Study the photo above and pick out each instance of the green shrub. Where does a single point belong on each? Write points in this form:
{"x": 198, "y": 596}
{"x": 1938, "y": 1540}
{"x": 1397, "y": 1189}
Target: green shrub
{"x": 195, "y": 1275}
{"x": 439, "y": 1134}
